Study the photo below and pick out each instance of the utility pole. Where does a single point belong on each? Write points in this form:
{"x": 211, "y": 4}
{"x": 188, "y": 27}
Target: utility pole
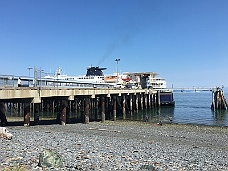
{"x": 29, "y": 68}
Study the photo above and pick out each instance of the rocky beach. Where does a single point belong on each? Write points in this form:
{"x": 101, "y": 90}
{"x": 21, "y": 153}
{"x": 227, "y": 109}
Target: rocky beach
{"x": 120, "y": 145}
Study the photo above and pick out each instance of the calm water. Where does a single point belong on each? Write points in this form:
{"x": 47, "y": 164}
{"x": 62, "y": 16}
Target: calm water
{"x": 190, "y": 108}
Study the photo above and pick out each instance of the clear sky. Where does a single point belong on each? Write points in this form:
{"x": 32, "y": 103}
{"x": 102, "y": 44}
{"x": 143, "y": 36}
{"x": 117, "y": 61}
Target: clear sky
{"x": 185, "y": 41}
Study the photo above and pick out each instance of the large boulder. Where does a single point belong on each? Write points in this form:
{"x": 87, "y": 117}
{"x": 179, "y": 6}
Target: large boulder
{"x": 4, "y": 133}
{"x": 50, "y": 158}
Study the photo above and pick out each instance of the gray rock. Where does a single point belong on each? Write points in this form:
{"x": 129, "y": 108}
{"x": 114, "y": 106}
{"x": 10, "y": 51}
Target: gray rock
{"x": 4, "y": 133}
{"x": 50, "y": 158}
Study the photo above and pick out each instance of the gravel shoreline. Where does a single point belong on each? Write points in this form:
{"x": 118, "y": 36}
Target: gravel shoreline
{"x": 120, "y": 145}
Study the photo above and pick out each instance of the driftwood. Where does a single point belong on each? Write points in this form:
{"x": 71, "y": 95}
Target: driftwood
{"x": 4, "y": 133}
{"x": 101, "y": 129}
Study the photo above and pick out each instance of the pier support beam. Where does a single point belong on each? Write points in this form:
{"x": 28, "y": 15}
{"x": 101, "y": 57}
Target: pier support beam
{"x": 137, "y": 103}
{"x": 26, "y": 114}
{"x": 87, "y": 102}
{"x": 82, "y": 108}
{"x": 3, "y": 114}
{"x": 114, "y": 108}
{"x": 96, "y": 104}
{"x": 131, "y": 105}
{"x": 124, "y": 107}
{"x": 53, "y": 106}
{"x": 149, "y": 100}
{"x": 141, "y": 102}
{"x": 63, "y": 114}
{"x": 36, "y": 113}
{"x": 146, "y": 101}
{"x": 103, "y": 109}
{"x": 158, "y": 98}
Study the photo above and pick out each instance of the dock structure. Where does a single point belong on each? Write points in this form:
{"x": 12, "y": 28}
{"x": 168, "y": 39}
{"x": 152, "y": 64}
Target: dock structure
{"x": 218, "y": 99}
{"x": 90, "y": 101}
{"x": 30, "y": 101}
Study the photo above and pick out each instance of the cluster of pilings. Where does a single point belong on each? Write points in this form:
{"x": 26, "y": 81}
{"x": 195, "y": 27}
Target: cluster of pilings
{"x": 218, "y": 100}
{"x": 100, "y": 107}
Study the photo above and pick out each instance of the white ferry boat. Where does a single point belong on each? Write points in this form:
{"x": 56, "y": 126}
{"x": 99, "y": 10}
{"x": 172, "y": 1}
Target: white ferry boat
{"x": 93, "y": 75}
{"x": 156, "y": 83}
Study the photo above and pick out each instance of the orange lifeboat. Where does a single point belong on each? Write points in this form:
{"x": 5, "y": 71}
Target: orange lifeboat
{"x": 110, "y": 79}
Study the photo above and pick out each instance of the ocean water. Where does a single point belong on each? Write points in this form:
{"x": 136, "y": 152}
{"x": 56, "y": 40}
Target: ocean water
{"x": 190, "y": 108}
{"x": 195, "y": 108}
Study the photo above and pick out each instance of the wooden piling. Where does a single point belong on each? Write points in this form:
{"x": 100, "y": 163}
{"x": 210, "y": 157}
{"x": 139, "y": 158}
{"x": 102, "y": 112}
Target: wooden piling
{"x": 103, "y": 109}
{"x": 36, "y": 113}
{"x": 124, "y": 107}
{"x": 131, "y": 106}
{"x": 149, "y": 100}
{"x": 158, "y": 98}
{"x": 3, "y": 114}
{"x": 53, "y": 106}
{"x": 137, "y": 103}
{"x": 218, "y": 100}
{"x": 26, "y": 114}
{"x": 141, "y": 100}
{"x": 81, "y": 108}
{"x": 146, "y": 101}
{"x": 63, "y": 114}
{"x": 96, "y": 103}
{"x": 114, "y": 108}
{"x": 87, "y": 102}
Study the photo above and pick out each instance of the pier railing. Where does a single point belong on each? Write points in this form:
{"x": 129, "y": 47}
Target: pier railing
{"x": 12, "y": 81}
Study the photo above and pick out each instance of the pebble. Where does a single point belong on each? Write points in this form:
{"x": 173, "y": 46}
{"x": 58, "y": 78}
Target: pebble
{"x": 120, "y": 145}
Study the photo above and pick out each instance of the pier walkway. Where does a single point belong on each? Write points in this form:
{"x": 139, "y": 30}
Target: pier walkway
{"x": 35, "y": 94}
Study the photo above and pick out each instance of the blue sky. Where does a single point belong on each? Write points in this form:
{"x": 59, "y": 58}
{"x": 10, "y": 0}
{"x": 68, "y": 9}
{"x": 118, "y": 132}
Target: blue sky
{"x": 185, "y": 41}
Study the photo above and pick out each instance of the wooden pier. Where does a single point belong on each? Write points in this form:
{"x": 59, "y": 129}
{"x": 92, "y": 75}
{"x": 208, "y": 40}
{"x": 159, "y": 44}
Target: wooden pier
{"x": 32, "y": 100}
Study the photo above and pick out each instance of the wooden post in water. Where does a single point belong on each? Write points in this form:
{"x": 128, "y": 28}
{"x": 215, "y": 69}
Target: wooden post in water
{"x": 218, "y": 100}
{"x": 158, "y": 98}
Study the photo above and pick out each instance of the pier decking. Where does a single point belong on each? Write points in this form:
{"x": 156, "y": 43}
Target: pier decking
{"x": 32, "y": 99}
